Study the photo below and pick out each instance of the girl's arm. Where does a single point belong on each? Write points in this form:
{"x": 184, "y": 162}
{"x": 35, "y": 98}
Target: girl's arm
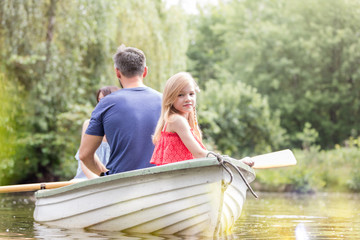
{"x": 181, "y": 126}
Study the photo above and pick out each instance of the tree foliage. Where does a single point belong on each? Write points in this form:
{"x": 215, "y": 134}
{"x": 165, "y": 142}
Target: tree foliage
{"x": 60, "y": 53}
{"x": 237, "y": 120}
{"x": 302, "y": 55}
{"x": 10, "y": 108}
{"x": 207, "y": 50}
{"x": 264, "y": 66}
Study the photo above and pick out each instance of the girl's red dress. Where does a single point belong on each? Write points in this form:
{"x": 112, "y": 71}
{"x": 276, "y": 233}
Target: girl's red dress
{"x": 171, "y": 148}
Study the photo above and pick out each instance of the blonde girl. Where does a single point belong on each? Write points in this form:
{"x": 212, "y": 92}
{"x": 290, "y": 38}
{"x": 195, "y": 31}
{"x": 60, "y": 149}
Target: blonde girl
{"x": 177, "y": 135}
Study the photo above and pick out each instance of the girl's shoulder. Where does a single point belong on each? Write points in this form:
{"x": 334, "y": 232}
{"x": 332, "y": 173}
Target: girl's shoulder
{"x": 86, "y": 123}
{"x": 85, "y": 126}
{"x": 177, "y": 119}
{"x": 177, "y": 122}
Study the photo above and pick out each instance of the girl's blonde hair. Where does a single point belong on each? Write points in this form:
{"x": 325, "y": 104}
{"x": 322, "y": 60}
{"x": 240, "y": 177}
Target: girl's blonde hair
{"x": 172, "y": 89}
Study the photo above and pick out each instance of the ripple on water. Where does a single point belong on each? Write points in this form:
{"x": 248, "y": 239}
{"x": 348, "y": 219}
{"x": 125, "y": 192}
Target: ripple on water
{"x": 273, "y": 216}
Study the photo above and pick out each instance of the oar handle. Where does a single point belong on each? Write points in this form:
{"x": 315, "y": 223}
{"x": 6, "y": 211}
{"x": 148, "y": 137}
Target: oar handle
{"x": 34, "y": 186}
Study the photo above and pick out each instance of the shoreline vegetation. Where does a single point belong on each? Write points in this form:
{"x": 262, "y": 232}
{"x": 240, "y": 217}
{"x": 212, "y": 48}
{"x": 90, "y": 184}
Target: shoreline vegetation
{"x": 335, "y": 170}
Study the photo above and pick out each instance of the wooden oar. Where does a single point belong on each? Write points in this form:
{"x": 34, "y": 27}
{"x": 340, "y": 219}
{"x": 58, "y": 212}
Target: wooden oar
{"x": 274, "y": 160}
{"x": 270, "y": 160}
{"x": 34, "y": 186}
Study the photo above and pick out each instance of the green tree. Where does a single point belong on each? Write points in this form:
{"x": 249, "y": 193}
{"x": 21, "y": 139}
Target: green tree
{"x": 60, "y": 52}
{"x": 10, "y": 108}
{"x": 207, "y": 49}
{"x": 47, "y": 61}
{"x": 161, "y": 33}
{"x": 237, "y": 121}
{"x": 304, "y": 56}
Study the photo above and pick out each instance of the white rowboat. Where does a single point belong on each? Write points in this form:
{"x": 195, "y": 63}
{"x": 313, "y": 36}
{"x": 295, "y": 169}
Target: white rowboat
{"x": 191, "y": 197}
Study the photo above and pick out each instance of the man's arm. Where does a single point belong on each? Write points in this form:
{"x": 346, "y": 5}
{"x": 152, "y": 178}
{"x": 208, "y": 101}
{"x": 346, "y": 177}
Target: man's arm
{"x": 89, "y": 174}
{"x": 88, "y": 146}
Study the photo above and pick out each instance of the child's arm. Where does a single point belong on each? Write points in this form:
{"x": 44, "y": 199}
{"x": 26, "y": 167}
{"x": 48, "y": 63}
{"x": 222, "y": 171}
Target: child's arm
{"x": 181, "y": 126}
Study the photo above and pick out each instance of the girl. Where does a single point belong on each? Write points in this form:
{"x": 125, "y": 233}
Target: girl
{"x": 103, "y": 152}
{"x": 177, "y": 135}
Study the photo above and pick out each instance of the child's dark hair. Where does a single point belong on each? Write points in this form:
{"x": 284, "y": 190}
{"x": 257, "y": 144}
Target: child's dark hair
{"x": 106, "y": 91}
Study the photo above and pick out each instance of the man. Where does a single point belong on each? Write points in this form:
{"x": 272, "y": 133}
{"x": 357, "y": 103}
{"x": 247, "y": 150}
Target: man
{"x": 127, "y": 117}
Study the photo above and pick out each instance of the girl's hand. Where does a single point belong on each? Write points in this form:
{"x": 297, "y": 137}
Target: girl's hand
{"x": 248, "y": 161}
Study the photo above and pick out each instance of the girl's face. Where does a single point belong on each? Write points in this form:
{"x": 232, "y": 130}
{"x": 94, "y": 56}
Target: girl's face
{"x": 101, "y": 95}
{"x": 186, "y": 100}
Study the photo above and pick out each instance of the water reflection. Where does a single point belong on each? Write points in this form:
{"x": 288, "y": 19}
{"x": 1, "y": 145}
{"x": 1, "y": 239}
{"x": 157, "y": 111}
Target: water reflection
{"x": 300, "y": 232}
{"x": 272, "y": 216}
{"x": 46, "y": 232}
{"x": 292, "y": 216}
{"x": 16, "y": 215}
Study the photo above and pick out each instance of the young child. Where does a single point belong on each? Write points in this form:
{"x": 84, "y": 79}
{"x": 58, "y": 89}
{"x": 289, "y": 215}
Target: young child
{"x": 103, "y": 152}
{"x": 177, "y": 135}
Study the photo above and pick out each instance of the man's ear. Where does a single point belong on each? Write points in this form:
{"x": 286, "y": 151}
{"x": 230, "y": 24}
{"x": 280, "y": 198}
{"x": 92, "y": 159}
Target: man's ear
{"x": 118, "y": 74}
{"x": 145, "y": 71}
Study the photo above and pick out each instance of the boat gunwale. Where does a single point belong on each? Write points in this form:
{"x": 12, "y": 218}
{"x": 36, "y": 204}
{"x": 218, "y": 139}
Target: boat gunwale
{"x": 188, "y": 164}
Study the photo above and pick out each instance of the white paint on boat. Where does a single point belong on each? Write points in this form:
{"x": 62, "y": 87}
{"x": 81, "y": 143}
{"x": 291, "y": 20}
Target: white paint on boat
{"x": 184, "y": 198}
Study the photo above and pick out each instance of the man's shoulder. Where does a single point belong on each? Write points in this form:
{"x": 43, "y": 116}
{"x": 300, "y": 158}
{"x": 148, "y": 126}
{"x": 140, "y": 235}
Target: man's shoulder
{"x": 154, "y": 92}
{"x": 124, "y": 95}
{"x": 131, "y": 91}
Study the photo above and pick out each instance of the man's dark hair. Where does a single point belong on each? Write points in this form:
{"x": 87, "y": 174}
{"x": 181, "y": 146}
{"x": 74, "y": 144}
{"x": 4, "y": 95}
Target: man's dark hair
{"x": 129, "y": 61}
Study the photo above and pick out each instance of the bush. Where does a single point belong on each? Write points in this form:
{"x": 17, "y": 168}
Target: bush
{"x": 237, "y": 120}
{"x": 331, "y": 170}
{"x": 9, "y": 109}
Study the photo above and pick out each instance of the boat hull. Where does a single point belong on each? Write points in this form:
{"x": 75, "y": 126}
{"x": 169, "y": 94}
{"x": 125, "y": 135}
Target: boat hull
{"x": 187, "y": 198}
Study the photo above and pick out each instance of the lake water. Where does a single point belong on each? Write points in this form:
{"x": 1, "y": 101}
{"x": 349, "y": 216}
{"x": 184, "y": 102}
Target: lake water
{"x": 272, "y": 216}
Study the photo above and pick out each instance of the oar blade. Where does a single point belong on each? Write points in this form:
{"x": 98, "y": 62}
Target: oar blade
{"x": 282, "y": 158}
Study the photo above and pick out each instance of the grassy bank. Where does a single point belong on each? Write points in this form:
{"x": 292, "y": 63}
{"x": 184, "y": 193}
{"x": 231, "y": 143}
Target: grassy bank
{"x": 336, "y": 170}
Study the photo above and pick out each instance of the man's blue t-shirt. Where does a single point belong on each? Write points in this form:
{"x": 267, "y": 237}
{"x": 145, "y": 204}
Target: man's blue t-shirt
{"x": 128, "y": 118}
